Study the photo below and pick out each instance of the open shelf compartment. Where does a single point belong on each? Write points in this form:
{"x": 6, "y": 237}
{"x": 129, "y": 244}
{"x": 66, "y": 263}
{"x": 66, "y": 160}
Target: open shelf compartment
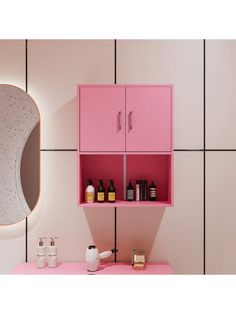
{"x": 122, "y": 168}
{"x": 103, "y": 167}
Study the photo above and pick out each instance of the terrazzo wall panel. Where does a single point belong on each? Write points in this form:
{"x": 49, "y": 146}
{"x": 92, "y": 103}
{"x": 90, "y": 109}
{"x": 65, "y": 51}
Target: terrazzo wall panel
{"x": 12, "y": 71}
{"x": 19, "y": 116}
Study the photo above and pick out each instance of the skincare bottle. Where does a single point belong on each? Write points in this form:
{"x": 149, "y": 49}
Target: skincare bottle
{"x": 40, "y": 257}
{"x": 137, "y": 191}
{"x": 111, "y": 195}
{"x": 152, "y": 192}
{"x": 89, "y": 192}
{"x": 101, "y": 192}
{"x": 52, "y": 254}
{"x": 130, "y": 192}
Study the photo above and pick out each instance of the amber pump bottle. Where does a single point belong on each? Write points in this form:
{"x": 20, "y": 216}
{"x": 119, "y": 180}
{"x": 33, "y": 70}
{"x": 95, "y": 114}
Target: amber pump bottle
{"x": 101, "y": 192}
{"x": 111, "y": 195}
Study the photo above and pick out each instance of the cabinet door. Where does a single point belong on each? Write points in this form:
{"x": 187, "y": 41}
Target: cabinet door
{"x": 148, "y": 114}
{"x": 102, "y": 118}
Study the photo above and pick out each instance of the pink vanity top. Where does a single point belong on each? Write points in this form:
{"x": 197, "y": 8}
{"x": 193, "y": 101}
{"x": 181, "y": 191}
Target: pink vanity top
{"x": 105, "y": 269}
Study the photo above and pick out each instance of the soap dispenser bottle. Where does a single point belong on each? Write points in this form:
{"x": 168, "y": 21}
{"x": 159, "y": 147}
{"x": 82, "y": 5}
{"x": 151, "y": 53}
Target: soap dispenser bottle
{"x": 89, "y": 192}
{"x": 41, "y": 257}
{"x": 52, "y": 253}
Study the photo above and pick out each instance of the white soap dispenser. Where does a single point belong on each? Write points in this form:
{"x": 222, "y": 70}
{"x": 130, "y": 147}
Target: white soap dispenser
{"x": 52, "y": 253}
{"x": 41, "y": 257}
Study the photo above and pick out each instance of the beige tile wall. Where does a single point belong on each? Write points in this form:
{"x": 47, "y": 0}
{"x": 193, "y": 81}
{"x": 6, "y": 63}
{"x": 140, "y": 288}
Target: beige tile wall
{"x": 220, "y": 94}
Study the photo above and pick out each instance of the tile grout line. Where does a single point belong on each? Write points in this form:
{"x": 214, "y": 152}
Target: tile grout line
{"x": 115, "y": 209}
{"x": 204, "y": 157}
{"x": 26, "y": 89}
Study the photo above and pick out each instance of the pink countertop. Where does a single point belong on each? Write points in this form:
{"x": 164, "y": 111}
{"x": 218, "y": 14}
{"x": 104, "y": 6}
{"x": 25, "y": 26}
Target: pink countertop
{"x": 104, "y": 269}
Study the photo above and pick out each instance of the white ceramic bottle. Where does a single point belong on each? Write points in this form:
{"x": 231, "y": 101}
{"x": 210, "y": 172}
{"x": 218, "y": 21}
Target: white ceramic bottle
{"x": 52, "y": 253}
{"x": 41, "y": 257}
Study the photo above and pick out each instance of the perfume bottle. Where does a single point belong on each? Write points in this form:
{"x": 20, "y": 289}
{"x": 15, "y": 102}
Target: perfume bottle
{"x": 130, "y": 192}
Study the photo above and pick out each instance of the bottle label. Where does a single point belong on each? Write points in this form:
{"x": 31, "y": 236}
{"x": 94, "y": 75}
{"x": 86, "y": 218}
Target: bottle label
{"x": 100, "y": 196}
{"x": 89, "y": 198}
{"x": 130, "y": 195}
{"x": 111, "y": 196}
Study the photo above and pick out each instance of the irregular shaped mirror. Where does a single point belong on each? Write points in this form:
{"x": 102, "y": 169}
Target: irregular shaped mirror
{"x": 19, "y": 154}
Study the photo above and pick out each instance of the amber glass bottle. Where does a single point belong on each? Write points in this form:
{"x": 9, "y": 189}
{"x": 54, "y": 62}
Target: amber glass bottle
{"x": 101, "y": 192}
{"x": 111, "y": 195}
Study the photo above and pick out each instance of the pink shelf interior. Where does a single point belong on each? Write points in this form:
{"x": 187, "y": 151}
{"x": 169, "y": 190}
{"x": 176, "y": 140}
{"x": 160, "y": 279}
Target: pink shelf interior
{"x": 104, "y": 167}
{"x": 155, "y": 168}
{"x": 104, "y": 269}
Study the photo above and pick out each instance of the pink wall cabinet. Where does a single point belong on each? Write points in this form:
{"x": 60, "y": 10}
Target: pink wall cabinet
{"x": 125, "y": 133}
{"x": 125, "y": 118}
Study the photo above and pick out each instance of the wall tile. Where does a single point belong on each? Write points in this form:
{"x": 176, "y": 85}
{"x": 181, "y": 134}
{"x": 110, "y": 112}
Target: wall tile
{"x": 220, "y": 93}
{"x": 55, "y": 69}
{"x": 12, "y": 246}
{"x": 57, "y": 213}
{"x": 12, "y": 62}
{"x": 12, "y": 71}
{"x": 171, "y": 234}
{"x": 220, "y": 213}
{"x": 178, "y": 62}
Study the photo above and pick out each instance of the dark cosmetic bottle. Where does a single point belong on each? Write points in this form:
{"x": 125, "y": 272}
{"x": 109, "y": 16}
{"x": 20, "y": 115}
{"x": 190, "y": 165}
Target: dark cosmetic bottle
{"x": 152, "y": 192}
{"x": 111, "y": 195}
{"x": 130, "y": 192}
{"x": 101, "y": 192}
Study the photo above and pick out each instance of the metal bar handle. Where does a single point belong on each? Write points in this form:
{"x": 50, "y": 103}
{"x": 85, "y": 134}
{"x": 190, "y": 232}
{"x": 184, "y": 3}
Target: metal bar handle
{"x": 119, "y": 120}
{"x": 131, "y": 120}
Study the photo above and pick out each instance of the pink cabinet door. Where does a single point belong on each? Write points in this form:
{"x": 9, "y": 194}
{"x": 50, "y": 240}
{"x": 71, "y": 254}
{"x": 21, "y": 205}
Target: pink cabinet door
{"x": 102, "y": 118}
{"x": 148, "y": 118}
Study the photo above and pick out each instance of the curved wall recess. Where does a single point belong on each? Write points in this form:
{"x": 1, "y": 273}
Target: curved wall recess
{"x": 19, "y": 116}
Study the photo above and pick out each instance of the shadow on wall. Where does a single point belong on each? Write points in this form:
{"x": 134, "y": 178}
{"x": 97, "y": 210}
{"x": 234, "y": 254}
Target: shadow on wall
{"x": 137, "y": 228}
{"x": 101, "y": 224}
{"x": 60, "y": 127}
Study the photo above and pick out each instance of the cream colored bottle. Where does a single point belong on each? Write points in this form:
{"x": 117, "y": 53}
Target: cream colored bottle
{"x": 41, "y": 255}
{"x": 90, "y": 192}
{"x": 52, "y": 254}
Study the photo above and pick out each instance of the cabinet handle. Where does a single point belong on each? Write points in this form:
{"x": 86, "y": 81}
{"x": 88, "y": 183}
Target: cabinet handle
{"x": 119, "y": 120}
{"x": 131, "y": 120}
